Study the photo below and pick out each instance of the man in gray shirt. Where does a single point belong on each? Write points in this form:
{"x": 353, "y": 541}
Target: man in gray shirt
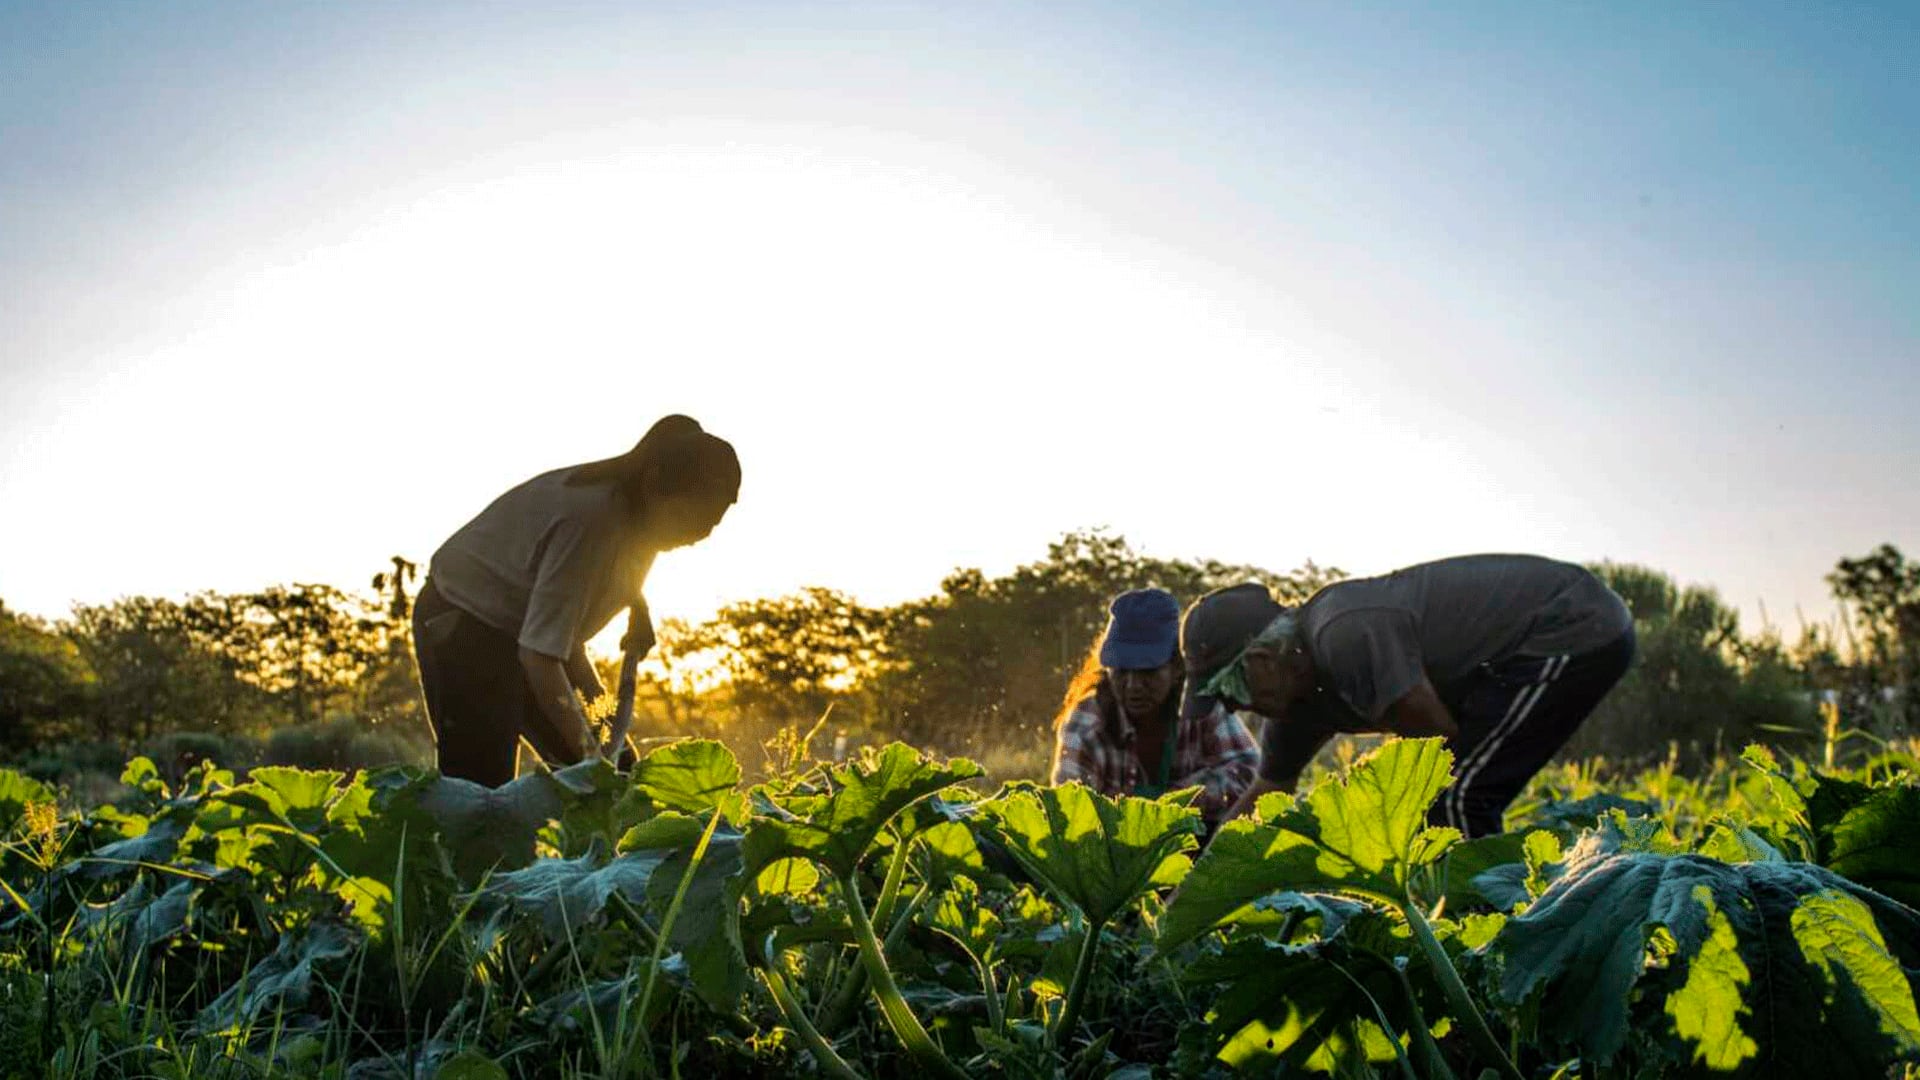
{"x": 1502, "y": 655}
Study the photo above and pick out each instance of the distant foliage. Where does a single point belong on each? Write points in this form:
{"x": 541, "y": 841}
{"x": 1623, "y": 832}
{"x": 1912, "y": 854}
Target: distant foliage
{"x": 235, "y": 671}
{"x": 1697, "y": 687}
{"x": 981, "y": 663}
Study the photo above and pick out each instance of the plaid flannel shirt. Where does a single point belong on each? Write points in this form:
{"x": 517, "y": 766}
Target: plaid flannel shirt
{"x": 1213, "y": 752}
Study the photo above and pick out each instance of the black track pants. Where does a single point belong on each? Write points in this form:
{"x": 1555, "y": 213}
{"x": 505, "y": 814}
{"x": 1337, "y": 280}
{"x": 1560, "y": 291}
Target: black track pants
{"x": 1513, "y": 716}
{"x": 478, "y": 698}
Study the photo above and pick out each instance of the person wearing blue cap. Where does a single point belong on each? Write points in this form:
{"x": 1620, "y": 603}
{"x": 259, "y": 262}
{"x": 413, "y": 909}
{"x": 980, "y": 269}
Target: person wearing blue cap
{"x": 1122, "y": 729}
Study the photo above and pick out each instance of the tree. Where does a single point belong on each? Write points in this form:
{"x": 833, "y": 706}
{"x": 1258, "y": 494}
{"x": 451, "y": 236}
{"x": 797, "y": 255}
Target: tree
{"x": 154, "y": 671}
{"x": 793, "y": 655}
{"x": 1881, "y": 591}
{"x": 308, "y": 647}
{"x": 44, "y": 683}
{"x": 1696, "y": 685}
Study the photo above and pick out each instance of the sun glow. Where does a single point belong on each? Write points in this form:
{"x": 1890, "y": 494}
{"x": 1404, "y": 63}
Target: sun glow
{"x": 895, "y": 336}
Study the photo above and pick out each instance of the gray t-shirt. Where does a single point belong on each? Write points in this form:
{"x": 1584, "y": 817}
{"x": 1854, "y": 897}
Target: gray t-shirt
{"x": 543, "y": 562}
{"x": 1372, "y": 639}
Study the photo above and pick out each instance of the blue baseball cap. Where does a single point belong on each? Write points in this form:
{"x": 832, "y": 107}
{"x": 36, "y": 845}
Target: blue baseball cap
{"x": 1143, "y": 629}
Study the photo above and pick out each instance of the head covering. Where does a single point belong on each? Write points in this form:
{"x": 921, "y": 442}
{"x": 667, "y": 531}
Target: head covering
{"x": 1230, "y": 682}
{"x": 1219, "y": 626}
{"x": 1143, "y": 630}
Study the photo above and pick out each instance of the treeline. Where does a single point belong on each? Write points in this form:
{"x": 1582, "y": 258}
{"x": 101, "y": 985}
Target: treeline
{"x": 979, "y": 667}
{"x": 299, "y": 674}
{"x": 316, "y": 675}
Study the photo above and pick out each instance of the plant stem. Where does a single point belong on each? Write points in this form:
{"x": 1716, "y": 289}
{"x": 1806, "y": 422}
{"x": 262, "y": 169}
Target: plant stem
{"x": 1077, "y": 990}
{"x": 1380, "y": 1015}
{"x": 838, "y": 1010}
{"x": 890, "y": 887}
{"x": 46, "y": 952}
{"x": 1469, "y": 1014}
{"x": 906, "y": 1026}
{"x": 829, "y": 1059}
{"x": 1436, "y": 1063}
{"x": 666, "y": 923}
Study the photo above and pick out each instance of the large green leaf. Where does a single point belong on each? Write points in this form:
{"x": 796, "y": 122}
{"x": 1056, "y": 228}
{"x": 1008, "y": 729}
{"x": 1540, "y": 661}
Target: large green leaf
{"x": 1364, "y": 835}
{"x": 1309, "y": 1004}
{"x": 141, "y": 917}
{"x": 564, "y": 894}
{"x": 281, "y": 792}
{"x": 283, "y": 981}
{"x": 159, "y": 845}
{"x": 690, "y": 775}
{"x": 961, "y": 915}
{"x": 1572, "y": 815}
{"x": 17, "y": 791}
{"x": 1375, "y": 821}
{"x": 1782, "y": 967}
{"x": 478, "y": 828}
{"x": 1093, "y": 852}
{"x": 836, "y": 829}
{"x": 707, "y": 930}
{"x": 483, "y": 827}
{"x": 1868, "y": 833}
{"x": 1876, "y": 842}
{"x": 1456, "y": 876}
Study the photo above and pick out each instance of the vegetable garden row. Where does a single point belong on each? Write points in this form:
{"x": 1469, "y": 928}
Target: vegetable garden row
{"x": 894, "y": 916}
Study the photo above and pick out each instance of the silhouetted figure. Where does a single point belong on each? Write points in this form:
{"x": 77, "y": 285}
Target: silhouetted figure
{"x": 1121, "y": 730}
{"x": 501, "y": 623}
{"x": 1502, "y": 655}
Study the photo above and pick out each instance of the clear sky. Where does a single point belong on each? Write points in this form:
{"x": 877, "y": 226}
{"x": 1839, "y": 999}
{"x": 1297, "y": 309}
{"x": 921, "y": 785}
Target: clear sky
{"x": 287, "y": 288}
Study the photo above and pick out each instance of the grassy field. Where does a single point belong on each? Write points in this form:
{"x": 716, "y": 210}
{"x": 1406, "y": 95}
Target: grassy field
{"x": 898, "y": 914}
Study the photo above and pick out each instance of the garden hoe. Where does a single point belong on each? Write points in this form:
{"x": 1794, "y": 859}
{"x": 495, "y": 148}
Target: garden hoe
{"x": 633, "y": 646}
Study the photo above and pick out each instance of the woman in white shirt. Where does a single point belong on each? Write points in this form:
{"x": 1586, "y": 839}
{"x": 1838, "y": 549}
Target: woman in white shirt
{"x": 501, "y": 623}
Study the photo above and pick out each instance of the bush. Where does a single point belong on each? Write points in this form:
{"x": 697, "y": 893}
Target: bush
{"x": 345, "y": 743}
{"x": 60, "y": 763}
{"x": 177, "y": 751}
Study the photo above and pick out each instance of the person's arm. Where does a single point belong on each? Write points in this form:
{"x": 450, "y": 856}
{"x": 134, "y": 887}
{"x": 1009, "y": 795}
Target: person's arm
{"x": 581, "y": 675}
{"x": 547, "y": 677}
{"x": 1228, "y": 759}
{"x": 1421, "y": 713}
{"x": 1288, "y": 743}
{"x": 575, "y": 559}
{"x": 1073, "y": 751}
{"x": 1251, "y": 797}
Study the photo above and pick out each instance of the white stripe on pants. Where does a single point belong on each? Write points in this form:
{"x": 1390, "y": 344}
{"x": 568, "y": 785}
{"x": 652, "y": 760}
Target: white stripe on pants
{"x": 1455, "y": 807}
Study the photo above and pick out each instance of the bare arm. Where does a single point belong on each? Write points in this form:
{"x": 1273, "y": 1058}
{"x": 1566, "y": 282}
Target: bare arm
{"x": 581, "y": 674}
{"x": 1288, "y": 743}
{"x": 552, "y": 689}
{"x": 1421, "y": 713}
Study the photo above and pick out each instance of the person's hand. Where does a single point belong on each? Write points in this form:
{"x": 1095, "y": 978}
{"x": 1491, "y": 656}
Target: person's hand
{"x": 638, "y": 641}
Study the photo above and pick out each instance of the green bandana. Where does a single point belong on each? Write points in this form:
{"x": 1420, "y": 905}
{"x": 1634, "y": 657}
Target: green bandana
{"x": 1230, "y": 682}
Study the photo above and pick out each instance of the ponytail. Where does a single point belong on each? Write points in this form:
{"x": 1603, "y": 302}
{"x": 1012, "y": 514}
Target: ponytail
{"x": 626, "y": 468}
{"x": 688, "y": 459}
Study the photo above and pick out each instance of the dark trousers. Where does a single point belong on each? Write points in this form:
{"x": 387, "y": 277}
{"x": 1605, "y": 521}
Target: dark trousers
{"x": 478, "y": 699}
{"x": 1514, "y": 716}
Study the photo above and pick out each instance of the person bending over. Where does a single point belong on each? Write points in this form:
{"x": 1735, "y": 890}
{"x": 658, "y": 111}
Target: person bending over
{"x": 501, "y": 623}
{"x": 1501, "y": 655}
{"x": 1121, "y": 729}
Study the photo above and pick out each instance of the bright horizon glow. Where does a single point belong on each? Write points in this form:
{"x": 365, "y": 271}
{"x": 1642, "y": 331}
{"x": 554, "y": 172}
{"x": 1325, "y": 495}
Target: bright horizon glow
{"x": 1219, "y": 284}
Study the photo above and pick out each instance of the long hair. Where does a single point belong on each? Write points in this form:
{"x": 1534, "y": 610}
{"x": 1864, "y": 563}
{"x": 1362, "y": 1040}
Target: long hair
{"x": 1091, "y": 681}
{"x": 687, "y": 458}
